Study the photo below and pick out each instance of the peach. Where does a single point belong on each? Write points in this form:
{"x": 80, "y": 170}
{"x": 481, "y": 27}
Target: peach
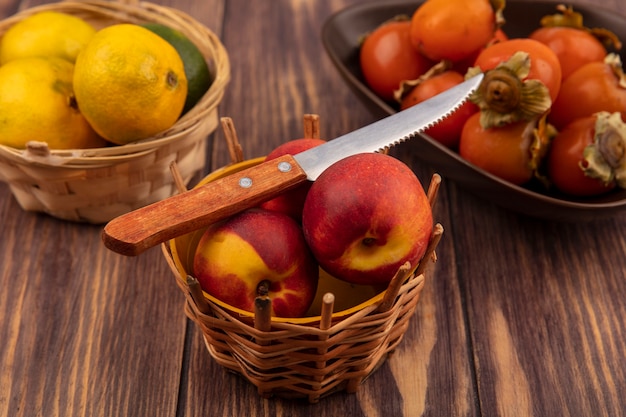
{"x": 237, "y": 258}
{"x": 365, "y": 216}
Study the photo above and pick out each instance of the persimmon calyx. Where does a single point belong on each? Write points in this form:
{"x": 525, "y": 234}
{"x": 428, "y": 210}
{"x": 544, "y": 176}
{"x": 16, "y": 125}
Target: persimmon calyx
{"x": 605, "y": 158}
{"x": 406, "y": 86}
{"x": 542, "y": 136}
{"x": 506, "y": 96}
{"x": 566, "y": 17}
{"x": 608, "y": 38}
{"x": 615, "y": 62}
{"x": 498, "y": 9}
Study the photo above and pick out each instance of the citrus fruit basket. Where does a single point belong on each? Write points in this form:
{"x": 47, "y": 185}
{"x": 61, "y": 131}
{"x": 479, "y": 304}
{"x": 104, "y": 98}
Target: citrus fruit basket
{"x": 347, "y": 333}
{"x": 95, "y": 185}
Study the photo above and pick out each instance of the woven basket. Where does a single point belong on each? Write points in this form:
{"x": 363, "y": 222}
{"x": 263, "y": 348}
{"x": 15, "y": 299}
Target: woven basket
{"x": 96, "y": 185}
{"x": 308, "y": 357}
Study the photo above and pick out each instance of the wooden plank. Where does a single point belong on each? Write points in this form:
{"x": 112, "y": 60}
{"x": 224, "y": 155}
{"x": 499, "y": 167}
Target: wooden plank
{"x": 86, "y": 332}
{"x": 279, "y": 73}
{"x": 544, "y": 305}
{"x": 81, "y": 318}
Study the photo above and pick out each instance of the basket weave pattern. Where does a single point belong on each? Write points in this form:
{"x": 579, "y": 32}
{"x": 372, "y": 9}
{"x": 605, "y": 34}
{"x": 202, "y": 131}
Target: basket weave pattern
{"x": 96, "y": 185}
{"x": 309, "y": 357}
{"x": 305, "y": 361}
{"x": 313, "y": 358}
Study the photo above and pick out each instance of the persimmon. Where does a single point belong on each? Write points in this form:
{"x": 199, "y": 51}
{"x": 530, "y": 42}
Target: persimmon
{"x": 453, "y": 29}
{"x": 513, "y": 152}
{"x": 387, "y": 58}
{"x": 573, "y": 47}
{"x": 522, "y": 80}
{"x": 544, "y": 64}
{"x": 573, "y": 43}
{"x": 588, "y": 156}
{"x": 595, "y": 87}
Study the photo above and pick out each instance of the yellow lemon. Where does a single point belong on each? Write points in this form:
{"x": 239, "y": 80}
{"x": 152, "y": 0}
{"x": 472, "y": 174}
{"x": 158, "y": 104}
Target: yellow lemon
{"x": 130, "y": 83}
{"x": 46, "y": 34}
{"x": 37, "y": 103}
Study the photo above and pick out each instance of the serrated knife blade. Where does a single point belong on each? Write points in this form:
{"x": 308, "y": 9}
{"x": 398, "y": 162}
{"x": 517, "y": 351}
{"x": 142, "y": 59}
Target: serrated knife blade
{"x": 389, "y": 131}
{"x": 134, "y": 232}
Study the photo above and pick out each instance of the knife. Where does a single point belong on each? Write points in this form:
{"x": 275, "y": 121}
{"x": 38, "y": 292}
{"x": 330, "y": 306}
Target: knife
{"x": 134, "y": 232}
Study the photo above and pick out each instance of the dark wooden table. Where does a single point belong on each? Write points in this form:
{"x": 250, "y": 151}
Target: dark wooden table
{"x": 523, "y": 317}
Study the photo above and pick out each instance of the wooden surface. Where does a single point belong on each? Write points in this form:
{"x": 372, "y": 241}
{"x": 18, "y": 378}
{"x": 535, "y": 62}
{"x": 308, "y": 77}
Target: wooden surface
{"x": 522, "y": 317}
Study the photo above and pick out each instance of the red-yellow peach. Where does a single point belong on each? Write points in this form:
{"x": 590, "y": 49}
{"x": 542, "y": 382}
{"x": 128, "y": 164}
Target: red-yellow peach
{"x": 365, "y": 216}
{"x": 257, "y": 247}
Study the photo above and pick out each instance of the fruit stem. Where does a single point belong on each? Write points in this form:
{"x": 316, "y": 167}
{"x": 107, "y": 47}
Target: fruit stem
{"x": 368, "y": 241}
{"x": 71, "y": 101}
{"x": 263, "y": 289}
{"x": 502, "y": 90}
{"x": 506, "y": 95}
{"x": 171, "y": 79}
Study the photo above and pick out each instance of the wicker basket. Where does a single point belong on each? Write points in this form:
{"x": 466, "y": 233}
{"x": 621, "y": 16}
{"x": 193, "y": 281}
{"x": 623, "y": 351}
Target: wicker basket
{"x": 96, "y": 185}
{"x": 308, "y": 357}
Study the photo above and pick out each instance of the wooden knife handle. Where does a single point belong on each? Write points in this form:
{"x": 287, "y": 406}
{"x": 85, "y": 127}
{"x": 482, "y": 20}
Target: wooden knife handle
{"x": 134, "y": 232}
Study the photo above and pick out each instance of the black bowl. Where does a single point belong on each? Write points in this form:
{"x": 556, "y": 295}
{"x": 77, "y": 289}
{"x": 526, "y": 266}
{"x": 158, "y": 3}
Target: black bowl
{"x": 340, "y": 36}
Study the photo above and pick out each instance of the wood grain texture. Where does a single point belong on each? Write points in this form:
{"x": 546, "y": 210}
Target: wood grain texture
{"x": 69, "y": 310}
{"x": 86, "y": 332}
{"x": 553, "y": 326}
{"x": 273, "y": 85}
{"x": 522, "y": 317}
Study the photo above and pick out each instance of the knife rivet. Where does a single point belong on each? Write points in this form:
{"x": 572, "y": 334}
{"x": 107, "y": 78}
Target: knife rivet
{"x": 245, "y": 182}
{"x": 284, "y": 167}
